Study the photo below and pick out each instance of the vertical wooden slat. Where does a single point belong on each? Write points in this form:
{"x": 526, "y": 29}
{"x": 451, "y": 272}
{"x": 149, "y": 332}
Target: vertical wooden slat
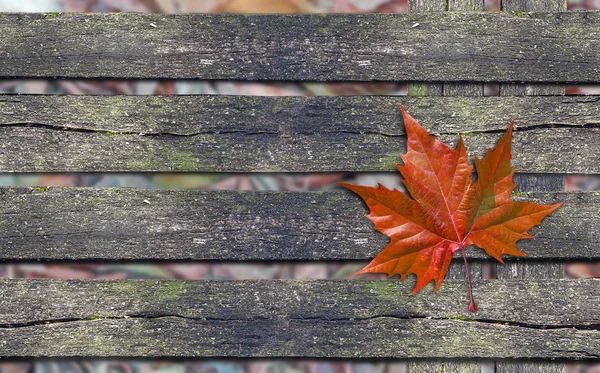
{"x": 464, "y": 89}
{"x": 539, "y": 182}
{"x": 530, "y": 368}
{"x": 420, "y": 6}
{"x": 517, "y": 89}
{"x": 457, "y": 269}
{"x": 528, "y": 182}
{"x": 445, "y": 367}
{"x": 529, "y": 271}
{"x": 524, "y": 270}
{"x": 521, "y": 270}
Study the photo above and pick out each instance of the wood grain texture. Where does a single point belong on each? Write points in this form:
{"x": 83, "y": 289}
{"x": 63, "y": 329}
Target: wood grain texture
{"x": 528, "y": 367}
{"x": 284, "y": 134}
{"x": 423, "y": 6}
{"x": 464, "y": 89}
{"x": 298, "y": 318}
{"x": 539, "y": 182}
{"x": 456, "y": 269}
{"x": 524, "y": 270}
{"x": 115, "y": 224}
{"x": 430, "y": 89}
{"x": 450, "y": 366}
{"x": 519, "y": 7}
{"x": 537, "y": 47}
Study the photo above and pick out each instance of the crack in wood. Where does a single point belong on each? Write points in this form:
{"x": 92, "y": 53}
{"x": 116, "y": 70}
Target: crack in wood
{"x": 590, "y": 326}
{"x": 592, "y": 125}
{"x": 116, "y": 133}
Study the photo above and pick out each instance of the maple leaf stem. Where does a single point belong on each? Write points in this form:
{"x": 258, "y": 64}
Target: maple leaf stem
{"x": 472, "y": 306}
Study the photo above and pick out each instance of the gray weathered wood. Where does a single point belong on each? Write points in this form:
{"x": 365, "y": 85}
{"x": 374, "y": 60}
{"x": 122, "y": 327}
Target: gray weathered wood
{"x": 423, "y": 6}
{"x": 465, "y": 5}
{"x": 539, "y": 182}
{"x": 428, "y": 89}
{"x": 520, "y": 89}
{"x": 534, "y": 5}
{"x": 240, "y": 133}
{"x": 464, "y": 89}
{"x": 443, "y": 366}
{"x": 114, "y": 224}
{"x": 298, "y": 318}
{"x": 523, "y": 270}
{"x": 537, "y": 270}
{"x": 457, "y": 270}
{"x": 532, "y": 182}
{"x": 527, "y": 367}
{"x": 519, "y": 7}
{"x": 493, "y": 46}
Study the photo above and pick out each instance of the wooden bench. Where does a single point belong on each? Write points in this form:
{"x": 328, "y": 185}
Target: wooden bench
{"x": 529, "y": 313}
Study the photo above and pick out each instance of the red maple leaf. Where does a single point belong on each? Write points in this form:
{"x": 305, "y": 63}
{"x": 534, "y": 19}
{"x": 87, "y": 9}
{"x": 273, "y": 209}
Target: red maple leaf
{"x": 449, "y": 211}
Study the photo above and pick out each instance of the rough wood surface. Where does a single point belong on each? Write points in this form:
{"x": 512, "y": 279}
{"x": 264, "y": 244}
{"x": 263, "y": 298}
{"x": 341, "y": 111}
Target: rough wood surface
{"x": 450, "y": 366}
{"x": 464, "y": 89}
{"x": 298, "y": 318}
{"x": 523, "y": 270}
{"x": 113, "y": 224}
{"x": 535, "y": 367}
{"x": 423, "y": 6}
{"x": 519, "y": 7}
{"x": 456, "y": 270}
{"x": 539, "y": 182}
{"x": 436, "y": 46}
{"x": 301, "y": 134}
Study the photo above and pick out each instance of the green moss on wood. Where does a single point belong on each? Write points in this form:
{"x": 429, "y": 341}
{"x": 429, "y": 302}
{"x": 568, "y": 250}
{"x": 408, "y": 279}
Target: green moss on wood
{"x": 388, "y": 162}
{"x": 461, "y": 318}
{"x": 186, "y": 161}
{"x": 383, "y": 289}
{"x": 172, "y": 290}
{"x": 127, "y": 287}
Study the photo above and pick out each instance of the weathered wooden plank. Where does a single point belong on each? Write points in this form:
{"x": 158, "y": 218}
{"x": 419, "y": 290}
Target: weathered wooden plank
{"x": 298, "y": 318}
{"x": 114, "y": 224}
{"x": 532, "y": 182}
{"x": 423, "y": 6}
{"x": 429, "y": 89}
{"x": 539, "y": 182}
{"x": 450, "y": 366}
{"x": 520, "y": 7}
{"x": 529, "y": 367}
{"x": 295, "y": 134}
{"x": 464, "y": 89}
{"x": 524, "y": 270}
{"x": 537, "y": 270}
{"x": 457, "y": 270}
{"x": 487, "y": 46}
